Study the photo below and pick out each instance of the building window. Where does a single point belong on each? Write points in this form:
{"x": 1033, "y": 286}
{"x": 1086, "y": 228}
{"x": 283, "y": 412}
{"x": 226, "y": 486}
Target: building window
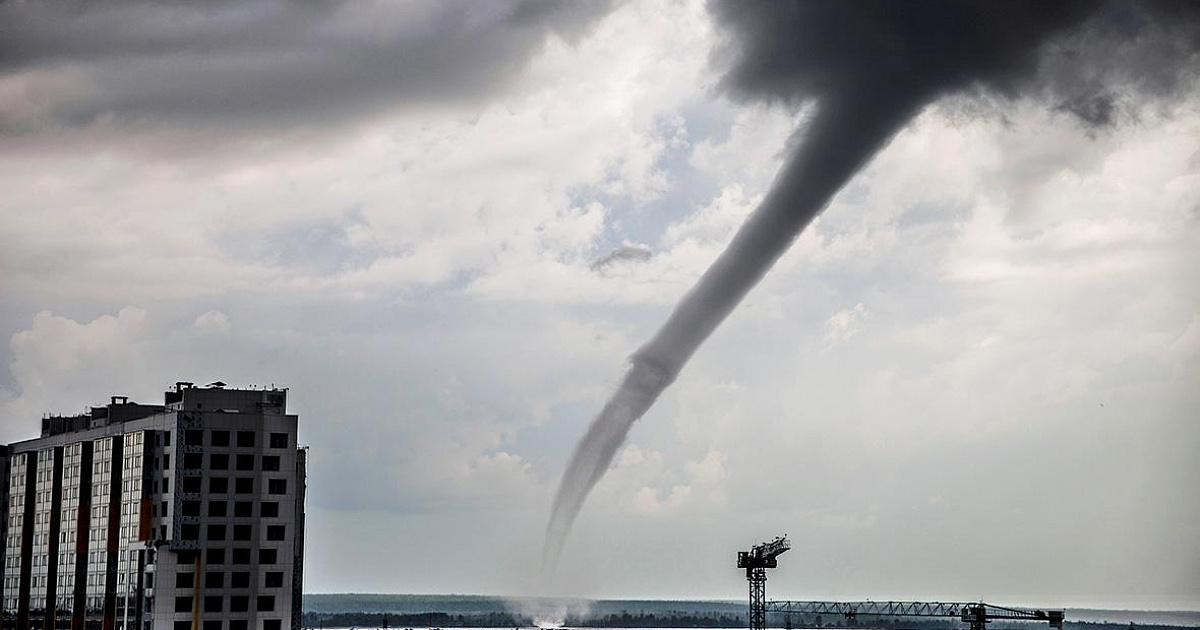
{"x": 266, "y": 603}
{"x": 272, "y": 624}
{"x": 218, "y": 485}
{"x": 245, "y": 438}
{"x": 238, "y": 603}
{"x": 213, "y": 603}
{"x": 189, "y": 531}
{"x": 220, "y": 438}
{"x": 243, "y": 532}
{"x": 183, "y": 625}
{"x": 184, "y": 604}
{"x": 276, "y": 532}
{"x": 269, "y": 509}
{"x": 239, "y": 579}
{"x": 193, "y": 437}
{"x": 274, "y": 579}
{"x": 279, "y": 440}
{"x": 185, "y": 580}
{"x": 237, "y": 624}
{"x": 271, "y": 463}
{"x": 243, "y": 509}
{"x": 191, "y": 484}
{"x": 216, "y": 555}
{"x": 277, "y": 486}
{"x": 167, "y": 458}
{"x": 217, "y": 508}
{"x": 193, "y": 461}
{"x": 245, "y": 462}
{"x": 216, "y": 532}
{"x": 190, "y": 508}
{"x": 218, "y": 461}
{"x": 214, "y": 579}
{"x": 268, "y": 556}
{"x": 166, "y": 485}
{"x": 166, "y": 438}
{"x": 241, "y": 556}
{"x": 244, "y": 485}
{"x": 212, "y": 624}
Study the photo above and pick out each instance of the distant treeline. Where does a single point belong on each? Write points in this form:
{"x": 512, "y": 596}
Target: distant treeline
{"x": 509, "y": 620}
{"x": 366, "y": 611}
{"x": 648, "y": 620}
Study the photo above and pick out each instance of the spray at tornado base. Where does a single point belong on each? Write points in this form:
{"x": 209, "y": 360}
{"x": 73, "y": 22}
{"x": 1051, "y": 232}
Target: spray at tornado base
{"x": 868, "y": 68}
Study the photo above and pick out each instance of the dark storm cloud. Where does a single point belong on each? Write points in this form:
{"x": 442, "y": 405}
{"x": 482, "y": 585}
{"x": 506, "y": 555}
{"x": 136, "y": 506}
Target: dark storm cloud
{"x": 793, "y": 52}
{"x": 869, "y": 67}
{"x": 234, "y": 63}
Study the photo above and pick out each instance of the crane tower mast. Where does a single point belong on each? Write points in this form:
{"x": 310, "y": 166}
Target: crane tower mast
{"x": 756, "y": 562}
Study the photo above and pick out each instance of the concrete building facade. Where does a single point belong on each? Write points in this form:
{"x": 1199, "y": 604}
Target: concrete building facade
{"x": 187, "y": 515}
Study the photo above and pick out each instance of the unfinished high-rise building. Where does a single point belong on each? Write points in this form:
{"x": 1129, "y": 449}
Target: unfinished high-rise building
{"x": 187, "y": 515}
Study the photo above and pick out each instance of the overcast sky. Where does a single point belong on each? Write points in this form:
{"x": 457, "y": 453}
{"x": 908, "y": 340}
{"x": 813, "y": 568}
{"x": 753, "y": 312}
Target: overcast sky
{"x": 445, "y": 227}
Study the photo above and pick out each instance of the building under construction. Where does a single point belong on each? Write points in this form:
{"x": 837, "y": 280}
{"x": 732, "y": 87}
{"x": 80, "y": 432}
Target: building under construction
{"x": 187, "y": 515}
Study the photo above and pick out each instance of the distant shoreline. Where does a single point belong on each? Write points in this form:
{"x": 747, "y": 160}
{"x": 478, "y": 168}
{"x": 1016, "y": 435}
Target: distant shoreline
{"x": 365, "y": 611}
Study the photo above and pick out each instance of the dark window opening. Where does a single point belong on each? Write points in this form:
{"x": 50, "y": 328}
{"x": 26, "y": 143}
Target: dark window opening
{"x": 239, "y": 579}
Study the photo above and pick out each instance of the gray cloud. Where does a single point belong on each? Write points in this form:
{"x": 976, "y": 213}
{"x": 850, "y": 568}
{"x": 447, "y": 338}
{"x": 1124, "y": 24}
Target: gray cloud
{"x": 626, "y": 252}
{"x": 234, "y": 64}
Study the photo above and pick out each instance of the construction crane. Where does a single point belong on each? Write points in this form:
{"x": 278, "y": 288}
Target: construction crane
{"x": 977, "y": 614}
{"x": 756, "y": 562}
